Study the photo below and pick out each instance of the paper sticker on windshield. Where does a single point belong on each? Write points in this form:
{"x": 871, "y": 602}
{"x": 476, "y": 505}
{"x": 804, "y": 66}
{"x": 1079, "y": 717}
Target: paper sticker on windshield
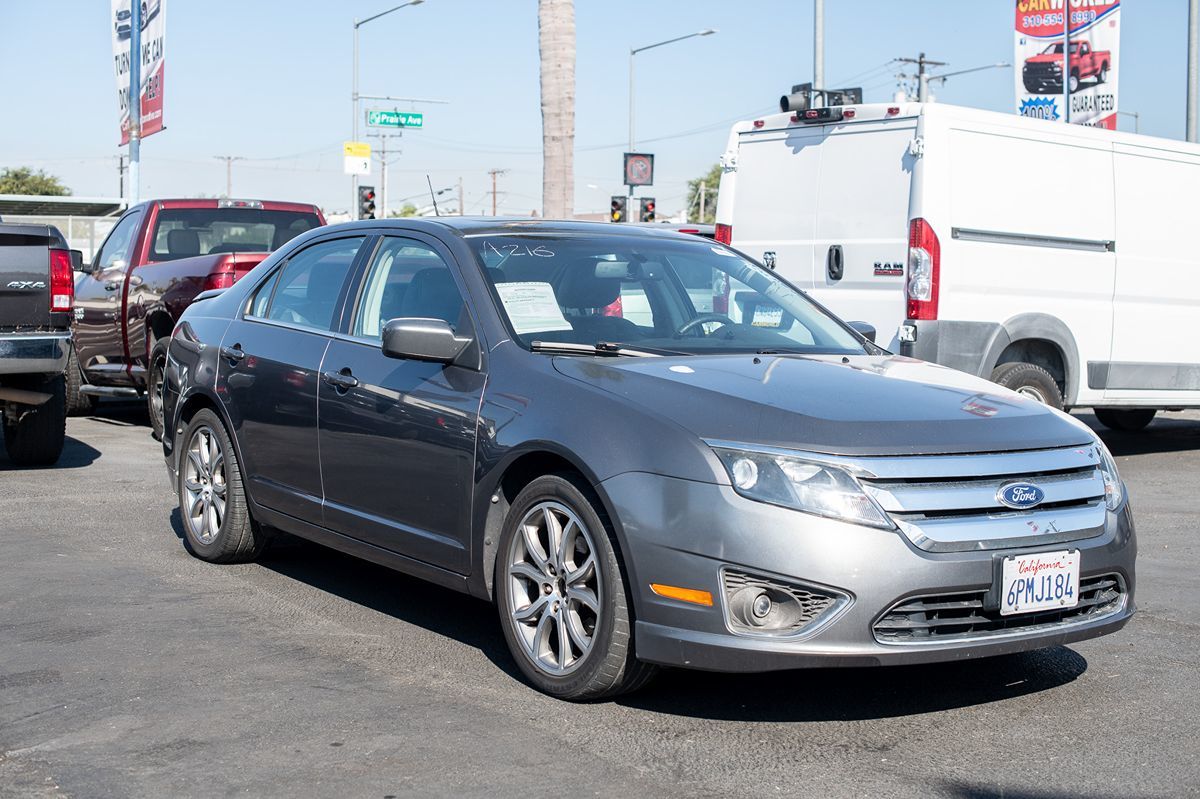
{"x": 767, "y": 316}
{"x": 532, "y": 307}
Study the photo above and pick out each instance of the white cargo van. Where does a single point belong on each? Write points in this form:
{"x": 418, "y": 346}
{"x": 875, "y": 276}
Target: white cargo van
{"x": 1061, "y": 261}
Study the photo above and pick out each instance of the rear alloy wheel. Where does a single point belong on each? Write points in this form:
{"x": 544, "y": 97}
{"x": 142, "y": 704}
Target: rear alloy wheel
{"x": 1029, "y": 380}
{"x": 1128, "y": 419}
{"x": 155, "y": 376}
{"x": 78, "y": 403}
{"x": 212, "y": 501}
{"x": 561, "y": 595}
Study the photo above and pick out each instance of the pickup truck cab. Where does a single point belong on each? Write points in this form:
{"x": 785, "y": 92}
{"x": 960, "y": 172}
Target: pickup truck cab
{"x": 158, "y": 257}
{"x": 1044, "y": 71}
{"x": 35, "y": 335}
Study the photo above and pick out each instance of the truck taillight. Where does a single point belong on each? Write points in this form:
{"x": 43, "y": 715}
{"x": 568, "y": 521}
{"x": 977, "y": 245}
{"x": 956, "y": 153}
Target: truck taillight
{"x": 219, "y": 280}
{"x": 62, "y": 281}
{"x": 724, "y": 233}
{"x": 924, "y": 264}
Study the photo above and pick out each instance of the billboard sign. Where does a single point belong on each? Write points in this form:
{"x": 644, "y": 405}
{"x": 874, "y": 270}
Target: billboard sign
{"x": 154, "y": 37}
{"x": 1092, "y": 63}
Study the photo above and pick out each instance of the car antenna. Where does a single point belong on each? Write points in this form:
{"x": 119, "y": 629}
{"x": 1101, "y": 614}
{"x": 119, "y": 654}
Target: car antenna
{"x": 432, "y": 196}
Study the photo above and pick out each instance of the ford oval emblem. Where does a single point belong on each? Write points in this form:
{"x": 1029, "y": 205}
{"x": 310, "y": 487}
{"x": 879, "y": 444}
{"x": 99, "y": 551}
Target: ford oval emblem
{"x": 1020, "y": 495}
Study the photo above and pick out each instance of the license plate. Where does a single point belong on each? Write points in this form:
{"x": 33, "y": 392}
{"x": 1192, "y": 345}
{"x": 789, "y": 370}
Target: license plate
{"x": 1045, "y": 581}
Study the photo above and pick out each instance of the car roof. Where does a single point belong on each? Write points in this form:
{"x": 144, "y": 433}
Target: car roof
{"x": 493, "y": 226}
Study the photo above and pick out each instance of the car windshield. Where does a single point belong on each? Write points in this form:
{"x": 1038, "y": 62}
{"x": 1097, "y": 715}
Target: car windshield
{"x": 187, "y": 232}
{"x": 649, "y": 293}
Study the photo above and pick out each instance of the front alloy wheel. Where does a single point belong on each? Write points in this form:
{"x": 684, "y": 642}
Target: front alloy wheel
{"x": 554, "y": 588}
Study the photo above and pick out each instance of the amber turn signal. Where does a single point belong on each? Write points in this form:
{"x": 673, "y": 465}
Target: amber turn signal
{"x": 692, "y": 595}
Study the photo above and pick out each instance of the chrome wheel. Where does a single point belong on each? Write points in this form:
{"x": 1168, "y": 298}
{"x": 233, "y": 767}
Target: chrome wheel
{"x": 554, "y": 588}
{"x": 204, "y": 485}
{"x": 157, "y": 368}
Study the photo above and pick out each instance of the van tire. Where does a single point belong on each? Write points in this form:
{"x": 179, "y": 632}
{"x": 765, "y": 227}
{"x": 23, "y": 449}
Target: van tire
{"x": 36, "y": 436}
{"x": 1029, "y": 380}
{"x": 1128, "y": 419}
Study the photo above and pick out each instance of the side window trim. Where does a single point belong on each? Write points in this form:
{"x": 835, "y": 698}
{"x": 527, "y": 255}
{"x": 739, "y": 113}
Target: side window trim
{"x": 246, "y": 314}
{"x": 136, "y": 216}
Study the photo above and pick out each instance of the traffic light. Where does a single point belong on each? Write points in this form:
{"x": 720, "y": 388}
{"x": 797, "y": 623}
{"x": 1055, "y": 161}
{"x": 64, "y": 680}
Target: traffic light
{"x": 366, "y": 202}
{"x": 647, "y": 213}
{"x": 618, "y": 208}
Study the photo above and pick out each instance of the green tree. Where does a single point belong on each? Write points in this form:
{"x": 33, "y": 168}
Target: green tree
{"x": 408, "y": 209}
{"x": 23, "y": 180}
{"x": 711, "y": 182}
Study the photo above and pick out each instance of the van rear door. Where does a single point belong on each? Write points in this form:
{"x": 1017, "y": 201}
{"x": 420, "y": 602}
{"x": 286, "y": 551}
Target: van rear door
{"x": 861, "y": 241}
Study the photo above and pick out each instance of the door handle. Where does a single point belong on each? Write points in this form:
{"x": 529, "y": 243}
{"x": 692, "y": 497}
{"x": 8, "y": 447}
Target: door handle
{"x": 834, "y": 265}
{"x": 341, "y": 381}
{"x": 233, "y": 354}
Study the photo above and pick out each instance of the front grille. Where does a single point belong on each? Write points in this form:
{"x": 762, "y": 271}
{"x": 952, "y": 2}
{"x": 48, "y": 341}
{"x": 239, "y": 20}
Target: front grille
{"x": 793, "y": 607}
{"x": 952, "y": 503}
{"x": 951, "y": 617}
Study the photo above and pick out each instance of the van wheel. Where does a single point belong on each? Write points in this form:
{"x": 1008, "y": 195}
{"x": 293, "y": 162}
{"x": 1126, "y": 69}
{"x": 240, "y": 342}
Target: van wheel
{"x": 561, "y": 594}
{"x": 35, "y": 435}
{"x": 212, "y": 500}
{"x": 78, "y": 403}
{"x": 1130, "y": 419}
{"x": 1029, "y": 380}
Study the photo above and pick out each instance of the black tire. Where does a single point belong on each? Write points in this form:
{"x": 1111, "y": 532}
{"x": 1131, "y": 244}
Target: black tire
{"x": 237, "y": 538}
{"x": 1128, "y": 419}
{"x": 78, "y": 403}
{"x": 1031, "y": 380}
{"x": 1103, "y": 75}
{"x": 610, "y": 666}
{"x": 154, "y": 377}
{"x": 35, "y": 437}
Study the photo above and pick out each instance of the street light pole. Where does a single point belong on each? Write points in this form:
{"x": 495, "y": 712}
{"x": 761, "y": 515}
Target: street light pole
{"x": 1193, "y": 69}
{"x": 358, "y": 23}
{"x": 634, "y": 51}
{"x": 819, "y": 44}
{"x": 135, "y": 103}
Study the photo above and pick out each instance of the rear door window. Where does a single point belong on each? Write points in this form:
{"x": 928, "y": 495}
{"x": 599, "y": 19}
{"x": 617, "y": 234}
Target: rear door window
{"x": 307, "y": 288}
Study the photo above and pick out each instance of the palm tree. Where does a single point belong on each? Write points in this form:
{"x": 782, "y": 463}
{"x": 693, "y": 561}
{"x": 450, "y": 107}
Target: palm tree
{"x": 556, "y": 45}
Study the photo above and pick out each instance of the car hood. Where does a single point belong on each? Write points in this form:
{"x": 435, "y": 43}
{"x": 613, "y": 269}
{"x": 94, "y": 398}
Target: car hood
{"x": 859, "y": 405}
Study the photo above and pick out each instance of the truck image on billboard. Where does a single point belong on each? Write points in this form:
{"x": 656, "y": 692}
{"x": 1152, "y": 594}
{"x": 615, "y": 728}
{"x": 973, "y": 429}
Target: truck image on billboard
{"x": 1091, "y": 65}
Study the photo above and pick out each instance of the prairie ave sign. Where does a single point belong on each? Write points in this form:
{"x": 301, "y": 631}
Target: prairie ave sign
{"x": 394, "y": 119}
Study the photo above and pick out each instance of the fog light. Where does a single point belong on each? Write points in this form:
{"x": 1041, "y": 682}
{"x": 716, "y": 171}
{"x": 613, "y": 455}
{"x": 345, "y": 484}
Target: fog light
{"x": 745, "y": 473}
{"x": 761, "y": 607}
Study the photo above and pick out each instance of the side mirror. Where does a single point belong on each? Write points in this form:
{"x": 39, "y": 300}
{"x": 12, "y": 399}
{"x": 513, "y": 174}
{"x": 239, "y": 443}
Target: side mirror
{"x": 864, "y": 329}
{"x": 76, "y": 260}
{"x": 422, "y": 340}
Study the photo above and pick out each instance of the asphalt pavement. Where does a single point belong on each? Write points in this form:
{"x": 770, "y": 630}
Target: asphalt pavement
{"x": 128, "y": 668}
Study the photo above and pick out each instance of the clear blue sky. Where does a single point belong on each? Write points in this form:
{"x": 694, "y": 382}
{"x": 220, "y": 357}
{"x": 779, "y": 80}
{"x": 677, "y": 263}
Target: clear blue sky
{"x": 269, "y": 80}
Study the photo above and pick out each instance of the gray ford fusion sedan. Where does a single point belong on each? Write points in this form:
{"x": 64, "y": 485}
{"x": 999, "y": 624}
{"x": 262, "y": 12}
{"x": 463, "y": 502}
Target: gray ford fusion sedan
{"x": 641, "y": 446}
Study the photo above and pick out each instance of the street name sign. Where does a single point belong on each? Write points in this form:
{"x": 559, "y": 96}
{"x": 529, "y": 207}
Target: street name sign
{"x": 394, "y": 119}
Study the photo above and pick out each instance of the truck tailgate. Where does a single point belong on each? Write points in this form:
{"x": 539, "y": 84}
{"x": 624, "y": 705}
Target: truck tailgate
{"x": 25, "y": 276}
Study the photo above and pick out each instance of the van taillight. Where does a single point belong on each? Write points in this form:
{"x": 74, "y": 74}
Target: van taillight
{"x": 218, "y": 280}
{"x": 724, "y": 233}
{"x": 62, "y": 281}
{"x": 924, "y": 263}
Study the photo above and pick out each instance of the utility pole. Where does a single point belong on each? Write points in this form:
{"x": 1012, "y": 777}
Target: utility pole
{"x": 121, "y": 177}
{"x": 228, "y": 159}
{"x": 819, "y": 44}
{"x": 460, "y": 197}
{"x": 922, "y": 75}
{"x": 1193, "y": 68}
{"x": 135, "y": 101}
{"x": 383, "y": 167}
{"x": 703, "y": 197}
{"x": 495, "y": 173}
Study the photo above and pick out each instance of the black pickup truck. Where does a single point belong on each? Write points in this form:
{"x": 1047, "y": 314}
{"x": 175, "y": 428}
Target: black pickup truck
{"x": 37, "y": 298}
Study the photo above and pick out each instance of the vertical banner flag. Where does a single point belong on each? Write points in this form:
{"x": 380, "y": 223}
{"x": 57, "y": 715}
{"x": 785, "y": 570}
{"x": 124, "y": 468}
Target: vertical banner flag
{"x": 154, "y": 36}
{"x": 1094, "y": 41}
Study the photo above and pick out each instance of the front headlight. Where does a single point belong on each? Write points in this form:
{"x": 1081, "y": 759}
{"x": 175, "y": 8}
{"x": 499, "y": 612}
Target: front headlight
{"x": 1113, "y": 490}
{"x": 793, "y": 482}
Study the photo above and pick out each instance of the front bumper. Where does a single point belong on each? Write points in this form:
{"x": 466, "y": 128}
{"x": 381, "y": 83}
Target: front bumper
{"x": 684, "y": 533}
{"x": 34, "y": 353}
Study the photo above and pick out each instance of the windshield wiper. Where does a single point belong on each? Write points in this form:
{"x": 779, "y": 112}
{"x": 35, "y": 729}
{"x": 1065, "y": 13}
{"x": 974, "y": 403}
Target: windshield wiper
{"x": 604, "y": 348}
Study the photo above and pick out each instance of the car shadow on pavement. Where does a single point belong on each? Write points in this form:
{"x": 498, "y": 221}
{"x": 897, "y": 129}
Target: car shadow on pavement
{"x": 1167, "y": 433}
{"x": 75, "y": 455}
{"x": 856, "y": 694}
{"x": 408, "y": 599}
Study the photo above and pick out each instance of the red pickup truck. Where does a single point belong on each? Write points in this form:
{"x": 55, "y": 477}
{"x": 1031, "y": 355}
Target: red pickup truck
{"x": 158, "y": 257}
{"x": 1043, "y": 72}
